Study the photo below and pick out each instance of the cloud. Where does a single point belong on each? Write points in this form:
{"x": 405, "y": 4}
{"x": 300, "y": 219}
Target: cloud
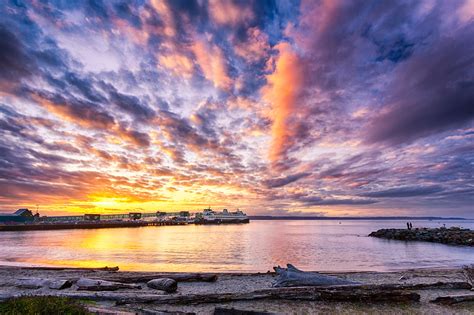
{"x": 14, "y": 60}
{"x": 132, "y": 105}
{"x": 350, "y": 106}
{"x": 431, "y": 92}
{"x": 177, "y": 63}
{"x": 283, "y": 92}
{"x": 255, "y": 47}
{"x": 81, "y": 112}
{"x": 402, "y": 192}
{"x": 283, "y": 181}
{"x": 317, "y": 201}
{"x": 228, "y": 12}
{"x": 212, "y": 62}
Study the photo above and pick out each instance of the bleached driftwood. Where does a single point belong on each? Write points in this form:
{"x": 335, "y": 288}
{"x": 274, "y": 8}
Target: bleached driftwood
{"x": 453, "y": 299}
{"x": 147, "y": 276}
{"x": 37, "y": 283}
{"x": 102, "y": 285}
{"x": 233, "y": 311}
{"x": 293, "y": 277}
{"x": 468, "y": 272}
{"x": 340, "y": 293}
{"x": 164, "y": 284}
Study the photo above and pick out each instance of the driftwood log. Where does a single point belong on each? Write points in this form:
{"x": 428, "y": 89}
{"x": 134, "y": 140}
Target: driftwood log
{"x": 468, "y": 272}
{"x": 102, "y": 285}
{"x": 145, "y": 277}
{"x": 233, "y": 311}
{"x": 37, "y": 283}
{"x": 293, "y": 277}
{"x": 337, "y": 293}
{"x": 453, "y": 299}
{"x": 165, "y": 284}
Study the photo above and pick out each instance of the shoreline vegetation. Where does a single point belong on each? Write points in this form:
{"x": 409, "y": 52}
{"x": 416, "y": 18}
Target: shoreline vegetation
{"x": 288, "y": 290}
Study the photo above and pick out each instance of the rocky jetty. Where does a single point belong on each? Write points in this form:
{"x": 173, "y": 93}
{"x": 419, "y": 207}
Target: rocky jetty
{"x": 453, "y": 235}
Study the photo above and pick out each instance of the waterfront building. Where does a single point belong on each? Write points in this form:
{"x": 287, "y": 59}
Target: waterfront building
{"x": 19, "y": 216}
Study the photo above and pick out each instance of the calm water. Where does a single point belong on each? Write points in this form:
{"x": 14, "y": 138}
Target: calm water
{"x": 311, "y": 245}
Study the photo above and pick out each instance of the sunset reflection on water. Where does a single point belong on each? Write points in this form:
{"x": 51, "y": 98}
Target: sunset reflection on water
{"x": 312, "y": 245}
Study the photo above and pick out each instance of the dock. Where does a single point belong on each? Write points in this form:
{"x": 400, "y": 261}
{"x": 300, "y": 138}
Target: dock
{"x": 82, "y": 225}
{"x": 24, "y": 220}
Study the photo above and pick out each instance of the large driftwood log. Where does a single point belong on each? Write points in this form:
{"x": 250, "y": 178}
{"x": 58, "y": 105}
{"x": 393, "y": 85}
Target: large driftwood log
{"x": 165, "y": 284}
{"x": 102, "y": 285}
{"x": 293, "y": 277}
{"x": 145, "y": 277}
{"x": 453, "y": 299}
{"x": 340, "y": 293}
{"x": 303, "y": 293}
{"x": 37, "y": 283}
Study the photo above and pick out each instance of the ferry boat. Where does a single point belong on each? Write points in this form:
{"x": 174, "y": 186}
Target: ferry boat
{"x": 209, "y": 216}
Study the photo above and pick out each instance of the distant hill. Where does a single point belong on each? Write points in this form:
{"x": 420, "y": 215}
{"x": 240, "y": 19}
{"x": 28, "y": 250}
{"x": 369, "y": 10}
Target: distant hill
{"x": 288, "y": 217}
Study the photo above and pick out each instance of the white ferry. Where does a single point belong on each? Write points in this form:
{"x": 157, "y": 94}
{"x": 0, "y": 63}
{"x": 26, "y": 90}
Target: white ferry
{"x": 209, "y": 216}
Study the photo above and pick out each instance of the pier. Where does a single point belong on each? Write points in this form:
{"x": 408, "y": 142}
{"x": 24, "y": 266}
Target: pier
{"x": 24, "y": 220}
{"x": 87, "y": 225}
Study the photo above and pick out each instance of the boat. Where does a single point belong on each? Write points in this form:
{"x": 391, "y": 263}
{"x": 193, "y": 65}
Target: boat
{"x": 209, "y": 216}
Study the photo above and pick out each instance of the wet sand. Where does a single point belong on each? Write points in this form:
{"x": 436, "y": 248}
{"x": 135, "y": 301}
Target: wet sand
{"x": 240, "y": 283}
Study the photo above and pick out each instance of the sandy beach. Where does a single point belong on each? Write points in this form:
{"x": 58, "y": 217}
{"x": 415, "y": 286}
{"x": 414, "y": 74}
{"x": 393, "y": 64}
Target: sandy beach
{"x": 436, "y": 283}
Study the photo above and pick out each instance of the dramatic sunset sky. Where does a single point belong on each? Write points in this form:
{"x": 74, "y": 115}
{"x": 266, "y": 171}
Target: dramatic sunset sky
{"x": 275, "y": 107}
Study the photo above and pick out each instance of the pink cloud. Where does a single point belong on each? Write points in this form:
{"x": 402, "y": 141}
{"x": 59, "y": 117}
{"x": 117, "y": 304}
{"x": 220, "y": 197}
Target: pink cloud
{"x": 282, "y": 91}
{"x": 226, "y": 12}
{"x": 213, "y": 63}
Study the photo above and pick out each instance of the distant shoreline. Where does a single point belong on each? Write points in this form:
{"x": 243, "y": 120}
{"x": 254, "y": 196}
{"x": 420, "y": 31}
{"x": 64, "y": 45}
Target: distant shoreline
{"x": 269, "y": 217}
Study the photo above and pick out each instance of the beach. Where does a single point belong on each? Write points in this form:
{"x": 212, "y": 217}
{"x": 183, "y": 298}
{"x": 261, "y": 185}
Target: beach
{"x": 428, "y": 283}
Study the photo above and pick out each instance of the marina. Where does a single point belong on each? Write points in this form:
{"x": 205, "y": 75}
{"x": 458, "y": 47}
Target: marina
{"x": 25, "y": 220}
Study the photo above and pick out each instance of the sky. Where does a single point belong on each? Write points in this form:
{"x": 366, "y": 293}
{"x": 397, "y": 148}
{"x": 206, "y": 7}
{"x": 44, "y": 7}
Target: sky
{"x": 335, "y": 108}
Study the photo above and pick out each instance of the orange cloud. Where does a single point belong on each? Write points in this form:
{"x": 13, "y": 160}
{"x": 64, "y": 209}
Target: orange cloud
{"x": 177, "y": 63}
{"x": 282, "y": 92}
{"x": 166, "y": 15}
{"x": 213, "y": 63}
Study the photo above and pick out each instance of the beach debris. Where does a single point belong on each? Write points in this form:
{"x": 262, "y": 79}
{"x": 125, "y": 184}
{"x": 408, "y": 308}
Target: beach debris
{"x": 233, "y": 311}
{"x": 165, "y": 284}
{"x": 468, "y": 272}
{"x": 293, "y": 277}
{"x": 147, "y": 276}
{"x": 403, "y": 277}
{"x": 103, "y": 285}
{"x": 37, "y": 283}
{"x": 453, "y": 299}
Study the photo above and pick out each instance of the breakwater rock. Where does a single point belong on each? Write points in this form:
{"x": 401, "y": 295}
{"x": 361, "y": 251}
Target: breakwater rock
{"x": 454, "y": 235}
